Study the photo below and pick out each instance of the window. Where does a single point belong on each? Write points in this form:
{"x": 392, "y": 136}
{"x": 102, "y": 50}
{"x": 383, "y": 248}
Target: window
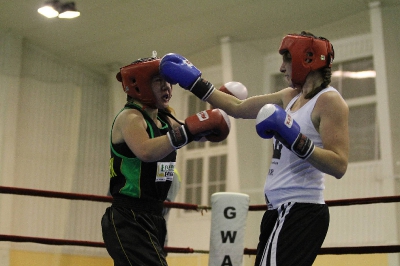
{"x": 217, "y": 174}
{"x": 205, "y": 163}
{"x": 355, "y": 80}
{"x": 193, "y": 177}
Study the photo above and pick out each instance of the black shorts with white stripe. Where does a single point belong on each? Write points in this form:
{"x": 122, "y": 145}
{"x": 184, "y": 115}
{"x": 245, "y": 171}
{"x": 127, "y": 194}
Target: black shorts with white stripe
{"x": 292, "y": 234}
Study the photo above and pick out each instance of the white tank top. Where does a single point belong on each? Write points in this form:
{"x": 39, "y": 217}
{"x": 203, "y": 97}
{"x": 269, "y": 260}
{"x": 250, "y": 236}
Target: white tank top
{"x": 291, "y": 179}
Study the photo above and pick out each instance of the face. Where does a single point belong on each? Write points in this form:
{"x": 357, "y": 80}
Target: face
{"x": 162, "y": 91}
{"x": 286, "y": 68}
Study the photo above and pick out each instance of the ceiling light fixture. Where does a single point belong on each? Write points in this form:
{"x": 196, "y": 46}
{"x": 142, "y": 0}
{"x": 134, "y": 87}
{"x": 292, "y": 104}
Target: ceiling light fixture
{"x": 55, "y": 8}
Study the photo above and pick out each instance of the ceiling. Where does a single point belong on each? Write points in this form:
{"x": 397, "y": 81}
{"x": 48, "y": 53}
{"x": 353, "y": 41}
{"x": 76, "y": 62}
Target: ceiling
{"x": 113, "y": 33}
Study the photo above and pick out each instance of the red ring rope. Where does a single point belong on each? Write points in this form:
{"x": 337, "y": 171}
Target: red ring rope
{"x": 346, "y": 250}
{"x": 247, "y": 251}
{"x": 76, "y": 196}
{"x": 97, "y": 198}
{"x": 343, "y": 202}
{"x": 64, "y": 242}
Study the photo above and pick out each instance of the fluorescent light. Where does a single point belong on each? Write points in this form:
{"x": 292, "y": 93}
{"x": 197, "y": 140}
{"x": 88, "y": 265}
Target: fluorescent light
{"x": 48, "y": 11}
{"x": 355, "y": 75}
{"x": 69, "y": 14}
{"x": 55, "y": 8}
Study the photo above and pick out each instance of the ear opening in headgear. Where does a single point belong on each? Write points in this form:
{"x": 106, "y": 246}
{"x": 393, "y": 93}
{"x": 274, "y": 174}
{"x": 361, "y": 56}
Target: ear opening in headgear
{"x": 136, "y": 79}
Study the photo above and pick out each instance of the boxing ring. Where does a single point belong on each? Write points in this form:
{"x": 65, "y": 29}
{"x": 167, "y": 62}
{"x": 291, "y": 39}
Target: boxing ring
{"x": 185, "y": 206}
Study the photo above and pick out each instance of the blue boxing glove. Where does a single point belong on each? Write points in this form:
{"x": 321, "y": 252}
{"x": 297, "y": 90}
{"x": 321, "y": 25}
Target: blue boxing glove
{"x": 272, "y": 120}
{"x": 175, "y": 68}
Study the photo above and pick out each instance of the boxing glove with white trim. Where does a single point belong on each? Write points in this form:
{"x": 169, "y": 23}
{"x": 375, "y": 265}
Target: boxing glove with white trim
{"x": 236, "y": 89}
{"x": 213, "y": 125}
{"x": 175, "y": 68}
{"x": 272, "y": 120}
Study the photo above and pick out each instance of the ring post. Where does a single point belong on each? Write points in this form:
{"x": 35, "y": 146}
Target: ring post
{"x": 228, "y": 222}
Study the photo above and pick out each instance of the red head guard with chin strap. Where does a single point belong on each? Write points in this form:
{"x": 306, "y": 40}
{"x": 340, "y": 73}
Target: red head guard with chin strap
{"x": 136, "y": 79}
{"x": 308, "y": 53}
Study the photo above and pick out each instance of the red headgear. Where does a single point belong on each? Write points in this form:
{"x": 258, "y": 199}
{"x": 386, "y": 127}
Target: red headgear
{"x": 308, "y": 54}
{"x": 136, "y": 79}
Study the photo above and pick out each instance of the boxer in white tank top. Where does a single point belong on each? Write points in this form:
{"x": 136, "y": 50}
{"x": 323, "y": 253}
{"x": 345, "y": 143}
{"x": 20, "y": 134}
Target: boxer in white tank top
{"x": 315, "y": 143}
{"x": 308, "y": 123}
{"x": 291, "y": 179}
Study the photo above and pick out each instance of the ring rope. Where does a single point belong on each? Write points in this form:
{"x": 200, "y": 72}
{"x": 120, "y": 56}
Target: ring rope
{"x": 97, "y": 198}
{"x": 346, "y": 250}
{"x": 186, "y": 206}
{"x": 66, "y": 242}
{"x": 247, "y": 251}
{"x": 343, "y": 202}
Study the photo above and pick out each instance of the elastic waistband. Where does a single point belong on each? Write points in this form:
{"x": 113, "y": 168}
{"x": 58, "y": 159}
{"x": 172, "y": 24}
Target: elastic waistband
{"x": 275, "y": 198}
{"x": 139, "y": 205}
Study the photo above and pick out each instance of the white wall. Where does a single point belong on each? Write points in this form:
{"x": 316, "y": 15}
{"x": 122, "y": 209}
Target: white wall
{"x": 54, "y": 137}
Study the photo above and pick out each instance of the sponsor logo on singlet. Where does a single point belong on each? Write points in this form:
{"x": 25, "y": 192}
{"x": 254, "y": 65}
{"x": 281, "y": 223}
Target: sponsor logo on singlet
{"x": 165, "y": 171}
{"x": 277, "y": 152}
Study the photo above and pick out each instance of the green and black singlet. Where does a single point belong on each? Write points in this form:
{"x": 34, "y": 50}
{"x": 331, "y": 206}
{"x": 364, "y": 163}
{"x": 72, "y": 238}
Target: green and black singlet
{"x": 141, "y": 185}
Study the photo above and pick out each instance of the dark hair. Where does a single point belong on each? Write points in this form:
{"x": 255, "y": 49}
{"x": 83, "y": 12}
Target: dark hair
{"x": 326, "y": 75}
{"x": 326, "y": 72}
{"x": 308, "y": 34}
